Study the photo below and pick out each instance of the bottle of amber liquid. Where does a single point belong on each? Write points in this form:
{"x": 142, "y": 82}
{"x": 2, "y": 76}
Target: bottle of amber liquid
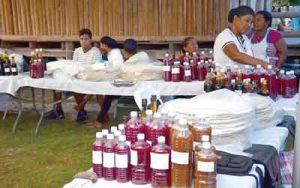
{"x": 206, "y": 167}
{"x": 181, "y": 156}
{"x": 153, "y": 104}
{"x": 144, "y": 109}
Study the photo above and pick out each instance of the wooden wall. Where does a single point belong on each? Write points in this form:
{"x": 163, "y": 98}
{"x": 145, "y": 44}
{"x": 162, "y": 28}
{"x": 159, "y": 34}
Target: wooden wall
{"x": 145, "y": 20}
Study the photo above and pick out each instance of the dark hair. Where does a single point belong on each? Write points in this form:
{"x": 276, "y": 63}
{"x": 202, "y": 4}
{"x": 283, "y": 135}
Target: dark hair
{"x": 85, "y": 31}
{"x": 267, "y": 16}
{"x": 185, "y": 42}
{"x": 130, "y": 46}
{"x": 110, "y": 42}
{"x": 239, "y": 11}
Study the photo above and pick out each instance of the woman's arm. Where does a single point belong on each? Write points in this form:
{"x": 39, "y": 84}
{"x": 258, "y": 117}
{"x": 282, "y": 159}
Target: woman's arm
{"x": 233, "y": 53}
{"x": 281, "y": 47}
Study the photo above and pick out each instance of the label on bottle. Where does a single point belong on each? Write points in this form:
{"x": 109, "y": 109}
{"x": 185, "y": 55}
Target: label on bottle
{"x": 6, "y": 70}
{"x": 175, "y": 70}
{"x": 187, "y": 73}
{"x": 196, "y": 144}
{"x": 159, "y": 161}
{"x": 167, "y": 68}
{"x": 13, "y": 69}
{"x": 108, "y": 160}
{"x": 121, "y": 161}
{"x": 205, "y": 166}
{"x": 133, "y": 157}
{"x": 97, "y": 157}
{"x": 180, "y": 157}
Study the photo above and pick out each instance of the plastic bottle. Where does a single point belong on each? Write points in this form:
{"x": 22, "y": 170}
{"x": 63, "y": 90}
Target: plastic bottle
{"x": 194, "y": 69}
{"x": 280, "y": 78}
{"x": 140, "y": 161}
{"x": 208, "y": 83}
{"x": 121, "y": 128}
{"x": 206, "y": 167}
{"x": 258, "y": 74}
{"x": 160, "y": 156}
{"x": 200, "y": 128}
{"x": 187, "y": 77}
{"x": 113, "y": 129}
{"x": 133, "y": 127}
{"x": 104, "y": 133}
{"x": 175, "y": 71}
{"x": 147, "y": 121}
{"x": 232, "y": 85}
{"x": 247, "y": 73}
{"x": 109, "y": 158}
{"x": 294, "y": 83}
{"x": 97, "y": 154}
{"x": 181, "y": 156}
{"x": 122, "y": 152}
{"x": 201, "y": 70}
{"x": 272, "y": 82}
{"x": 234, "y": 72}
{"x": 117, "y": 134}
{"x": 157, "y": 128}
{"x": 167, "y": 67}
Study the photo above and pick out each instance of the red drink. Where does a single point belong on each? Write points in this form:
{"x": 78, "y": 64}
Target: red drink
{"x": 234, "y": 72}
{"x": 109, "y": 158}
{"x": 147, "y": 122}
{"x": 97, "y": 154}
{"x": 272, "y": 82}
{"x": 176, "y": 72}
{"x": 258, "y": 74}
{"x": 202, "y": 70}
{"x": 167, "y": 68}
{"x": 133, "y": 127}
{"x": 140, "y": 161}
{"x": 121, "y": 128}
{"x": 187, "y": 75}
{"x": 280, "y": 78}
{"x": 122, "y": 160}
{"x": 157, "y": 128}
{"x": 160, "y": 164}
{"x": 247, "y": 73}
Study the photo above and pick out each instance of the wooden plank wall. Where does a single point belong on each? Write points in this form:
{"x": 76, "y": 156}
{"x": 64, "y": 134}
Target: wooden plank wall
{"x": 160, "y": 20}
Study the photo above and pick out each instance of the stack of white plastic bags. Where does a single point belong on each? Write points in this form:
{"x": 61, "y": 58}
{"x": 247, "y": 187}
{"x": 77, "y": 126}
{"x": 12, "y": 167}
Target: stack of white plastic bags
{"x": 230, "y": 116}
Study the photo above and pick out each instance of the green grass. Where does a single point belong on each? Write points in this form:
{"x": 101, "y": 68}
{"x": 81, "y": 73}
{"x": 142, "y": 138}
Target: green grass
{"x": 61, "y": 150}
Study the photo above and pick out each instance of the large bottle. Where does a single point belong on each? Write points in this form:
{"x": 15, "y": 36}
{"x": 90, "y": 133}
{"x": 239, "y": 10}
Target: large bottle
{"x": 109, "y": 158}
{"x": 157, "y": 128}
{"x": 97, "y": 154}
{"x": 272, "y": 82}
{"x": 181, "y": 156}
{"x": 133, "y": 127}
{"x": 289, "y": 85}
{"x": 175, "y": 71}
{"x": 199, "y": 128}
{"x": 167, "y": 67}
{"x": 160, "y": 156}
{"x": 140, "y": 161}
{"x": 122, "y": 152}
{"x": 206, "y": 167}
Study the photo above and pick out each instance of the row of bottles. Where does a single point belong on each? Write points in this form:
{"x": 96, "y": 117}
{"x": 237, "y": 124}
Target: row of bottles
{"x": 37, "y": 66}
{"x": 8, "y": 66}
{"x": 189, "y": 69}
{"x": 170, "y": 153}
{"x": 264, "y": 82}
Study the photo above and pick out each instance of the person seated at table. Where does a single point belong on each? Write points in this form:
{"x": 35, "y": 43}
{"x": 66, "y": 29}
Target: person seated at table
{"x": 232, "y": 47}
{"x": 131, "y": 54}
{"x": 267, "y": 43}
{"x": 189, "y": 45}
{"x": 109, "y": 47}
{"x": 86, "y": 53}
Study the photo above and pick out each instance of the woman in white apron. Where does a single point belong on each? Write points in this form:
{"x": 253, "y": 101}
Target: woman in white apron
{"x": 267, "y": 43}
{"x": 232, "y": 47}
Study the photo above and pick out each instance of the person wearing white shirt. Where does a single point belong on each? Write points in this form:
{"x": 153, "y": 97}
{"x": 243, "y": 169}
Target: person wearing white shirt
{"x": 232, "y": 47}
{"x": 86, "y": 54}
{"x": 131, "y": 54}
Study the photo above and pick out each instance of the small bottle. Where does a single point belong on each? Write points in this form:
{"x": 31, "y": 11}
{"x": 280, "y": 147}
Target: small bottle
{"x": 104, "y": 133}
{"x": 157, "y": 128}
{"x": 113, "y": 129}
{"x": 232, "y": 85}
{"x": 122, "y": 152}
{"x": 202, "y": 70}
{"x": 187, "y": 72}
{"x": 153, "y": 103}
{"x": 34, "y": 69}
{"x": 117, "y": 135}
{"x": 234, "y": 72}
{"x": 144, "y": 108}
{"x": 14, "y": 70}
{"x": 193, "y": 65}
{"x": 271, "y": 79}
{"x": 176, "y": 72}
{"x": 264, "y": 87}
{"x": 247, "y": 86}
{"x": 208, "y": 84}
{"x": 280, "y": 78}
{"x": 133, "y": 127}
{"x": 160, "y": 156}
{"x": 147, "y": 122}
{"x": 121, "y": 128}
{"x": 7, "y": 65}
{"x": 97, "y": 154}
{"x": 109, "y": 158}
{"x": 167, "y": 68}
{"x": 247, "y": 73}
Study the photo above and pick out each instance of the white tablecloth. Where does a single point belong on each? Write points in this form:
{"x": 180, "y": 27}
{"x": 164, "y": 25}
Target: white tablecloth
{"x": 10, "y": 84}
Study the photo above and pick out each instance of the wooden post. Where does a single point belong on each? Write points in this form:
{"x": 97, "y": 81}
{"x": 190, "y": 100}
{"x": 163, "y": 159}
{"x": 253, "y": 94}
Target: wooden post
{"x": 69, "y": 50}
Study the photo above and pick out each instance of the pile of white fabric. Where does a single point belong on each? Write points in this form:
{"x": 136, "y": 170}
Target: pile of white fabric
{"x": 266, "y": 112}
{"x": 230, "y": 116}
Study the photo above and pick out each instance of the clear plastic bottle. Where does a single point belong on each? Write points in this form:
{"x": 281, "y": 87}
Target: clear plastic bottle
{"x": 113, "y": 129}
{"x": 104, "y": 133}
{"x": 176, "y": 71}
{"x": 97, "y": 154}
{"x": 157, "y": 128}
{"x": 140, "y": 161}
{"x": 202, "y": 70}
{"x": 147, "y": 121}
{"x": 181, "y": 156}
{"x": 117, "y": 134}
{"x": 272, "y": 82}
{"x": 121, "y": 128}
{"x": 247, "y": 73}
{"x": 122, "y": 152}
{"x": 280, "y": 78}
{"x": 133, "y": 127}
{"x": 200, "y": 127}
{"x": 187, "y": 77}
{"x": 234, "y": 72}
{"x": 109, "y": 158}
{"x": 160, "y": 156}
{"x": 167, "y": 67}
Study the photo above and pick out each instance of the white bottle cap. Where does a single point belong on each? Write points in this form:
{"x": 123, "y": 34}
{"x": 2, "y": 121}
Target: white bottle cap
{"x": 177, "y": 62}
{"x": 141, "y": 136}
{"x": 99, "y": 135}
{"x": 258, "y": 66}
{"x": 233, "y": 81}
{"x": 247, "y": 66}
{"x": 269, "y": 67}
{"x": 281, "y": 71}
{"x": 110, "y": 136}
{"x": 222, "y": 70}
{"x": 113, "y": 129}
{"x": 182, "y": 121}
{"x": 161, "y": 139}
{"x": 40, "y": 49}
{"x": 206, "y": 145}
{"x": 186, "y": 63}
{"x": 194, "y": 53}
{"x": 122, "y": 138}
{"x": 202, "y": 61}
{"x": 186, "y": 53}
{"x": 292, "y": 72}
{"x": 117, "y": 133}
{"x": 149, "y": 112}
{"x": 210, "y": 51}
{"x": 104, "y": 131}
{"x": 157, "y": 115}
{"x": 235, "y": 67}
{"x": 202, "y": 52}
{"x": 121, "y": 126}
{"x": 133, "y": 114}
{"x": 205, "y": 138}
{"x": 166, "y": 55}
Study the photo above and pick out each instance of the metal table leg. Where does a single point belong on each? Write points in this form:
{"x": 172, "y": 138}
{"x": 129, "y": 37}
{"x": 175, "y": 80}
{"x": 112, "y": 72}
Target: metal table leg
{"x": 42, "y": 114}
{"x": 19, "y": 106}
{"x": 33, "y": 100}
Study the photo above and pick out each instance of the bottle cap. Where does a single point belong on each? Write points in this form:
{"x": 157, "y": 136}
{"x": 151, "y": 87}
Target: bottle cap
{"x": 161, "y": 139}
{"x": 121, "y": 126}
{"x": 110, "y": 136}
{"x": 202, "y": 52}
{"x": 222, "y": 70}
{"x": 281, "y": 71}
{"x": 182, "y": 121}
{"x": 117, "y": 133}
{"x": 99, "y": 135}
{"x": 235, "y": 66}
{"x": 133, "y": 114}
{"x": 186, "y": 53}
{"x": 122, "y": 138}
{"x": 205, "y": 138}
{"x": 194, "y": 53}
{"x": 140, "y": 136}
{"x": 185, "y": 63}
{"x": 292, "y": 72}
{"x": 177, "y": 62}
{"x": 167, "y": 55}
{"x": 104, "y": 131}
{"x": 258, "y": 66}
{"x": 113, "y": 129}
{"x": 269, "y": 67}
{"x": 233, "y": 81}
{"x": 206, "y": 145}
{"x": 157, "y": 115}
{"x": 149, "y": 112}
{"x": 247, "y": 66}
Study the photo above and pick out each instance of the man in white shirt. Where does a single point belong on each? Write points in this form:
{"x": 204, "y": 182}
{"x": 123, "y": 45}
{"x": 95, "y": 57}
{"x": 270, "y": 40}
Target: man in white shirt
{"x": 86, "y": 54}
{"x": 131, "y": 54}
